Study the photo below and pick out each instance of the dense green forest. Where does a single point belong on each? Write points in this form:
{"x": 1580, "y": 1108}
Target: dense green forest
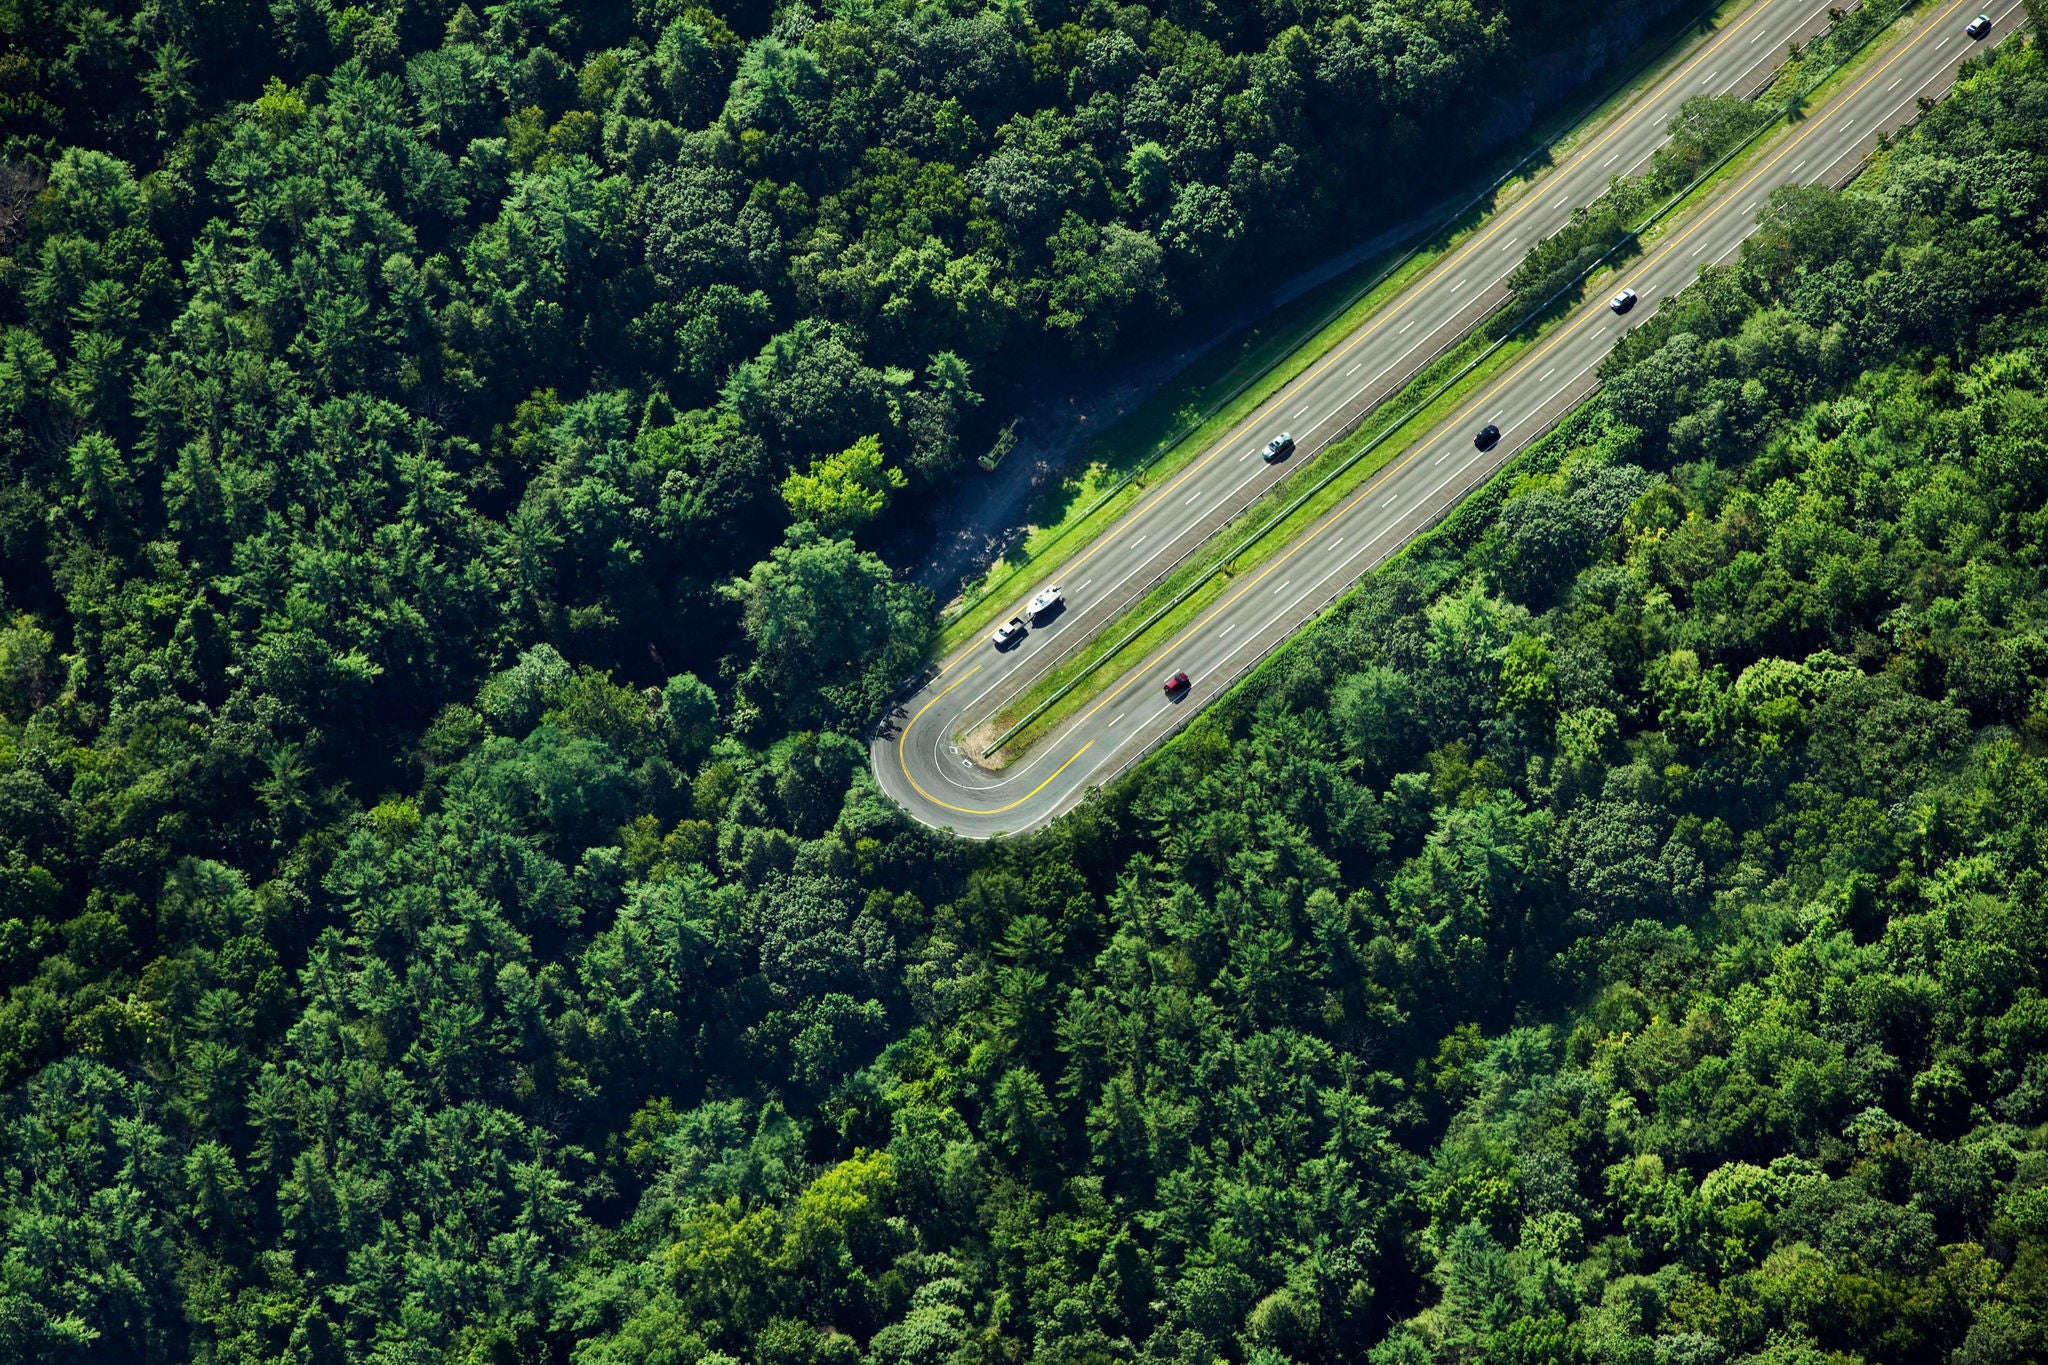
{"x": 444, "y": 914}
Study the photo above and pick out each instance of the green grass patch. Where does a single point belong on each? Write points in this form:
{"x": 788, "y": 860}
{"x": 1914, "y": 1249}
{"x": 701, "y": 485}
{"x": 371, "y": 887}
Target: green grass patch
{"x": 1390, "y": 445}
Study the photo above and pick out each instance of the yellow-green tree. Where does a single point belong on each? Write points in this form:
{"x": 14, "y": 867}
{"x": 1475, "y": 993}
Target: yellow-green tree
{"x": 843, "y": 492}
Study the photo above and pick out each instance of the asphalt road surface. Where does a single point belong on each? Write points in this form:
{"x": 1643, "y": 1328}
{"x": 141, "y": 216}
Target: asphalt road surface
{"x": 918, "y": 756}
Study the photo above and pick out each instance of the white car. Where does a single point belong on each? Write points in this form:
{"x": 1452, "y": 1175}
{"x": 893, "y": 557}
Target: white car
{"x": 1047, "y": 599}
{"x": 1623, "y": 301}
{"x": 1008, "y": 633}
{"x": 1978, "y": 26}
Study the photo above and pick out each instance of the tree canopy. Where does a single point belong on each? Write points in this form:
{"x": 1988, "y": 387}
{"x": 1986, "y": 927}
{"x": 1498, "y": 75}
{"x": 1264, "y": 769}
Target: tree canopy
{"x": 444, "y": 910}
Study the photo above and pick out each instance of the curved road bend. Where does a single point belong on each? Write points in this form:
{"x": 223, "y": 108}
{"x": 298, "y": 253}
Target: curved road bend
{"x": 916, "y": 759}
{"x": 1433, "y": 313}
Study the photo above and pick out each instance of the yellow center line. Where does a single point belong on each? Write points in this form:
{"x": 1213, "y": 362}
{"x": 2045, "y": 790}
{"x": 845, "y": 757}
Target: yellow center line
{"x": 1394, "y": 307}
{"x": 903, "y": 747}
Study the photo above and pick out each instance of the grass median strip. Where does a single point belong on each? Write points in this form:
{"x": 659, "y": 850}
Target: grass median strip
{"x": 1167, "y": 608}
{"x": 1386, "y": 444}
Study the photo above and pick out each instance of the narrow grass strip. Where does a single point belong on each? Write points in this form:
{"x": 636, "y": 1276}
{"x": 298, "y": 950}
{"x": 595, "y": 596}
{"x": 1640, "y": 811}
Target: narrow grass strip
{"x": 1194, "y": 586}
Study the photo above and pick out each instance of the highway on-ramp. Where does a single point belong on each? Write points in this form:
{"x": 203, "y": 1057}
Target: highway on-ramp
{"x": 918, "y": 757}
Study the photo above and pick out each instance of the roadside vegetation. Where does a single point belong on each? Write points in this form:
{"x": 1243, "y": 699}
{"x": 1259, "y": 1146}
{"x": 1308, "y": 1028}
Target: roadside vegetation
{"x": 1706, "y": 132}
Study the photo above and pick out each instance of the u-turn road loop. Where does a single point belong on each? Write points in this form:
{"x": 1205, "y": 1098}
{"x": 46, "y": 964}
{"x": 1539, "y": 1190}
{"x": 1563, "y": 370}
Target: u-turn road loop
{"x": 918, "y": 756}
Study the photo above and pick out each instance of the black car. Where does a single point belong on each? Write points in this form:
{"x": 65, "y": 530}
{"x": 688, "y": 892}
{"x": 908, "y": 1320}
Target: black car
{"x": 1488, "y": 437}
{"x": 1978, "y": 26}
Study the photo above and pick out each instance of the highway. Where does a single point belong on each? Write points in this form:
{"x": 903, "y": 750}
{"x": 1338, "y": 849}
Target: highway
{"x": 918, "y": 757}
{"x": 1433, "y": 313}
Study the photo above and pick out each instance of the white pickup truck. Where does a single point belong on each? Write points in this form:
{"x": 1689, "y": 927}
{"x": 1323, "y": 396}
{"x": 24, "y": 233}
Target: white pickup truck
{"x": 1048, "y": 598}
{"x": 1008, "y": 633}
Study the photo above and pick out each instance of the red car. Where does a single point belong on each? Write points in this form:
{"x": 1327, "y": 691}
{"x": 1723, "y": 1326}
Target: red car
{"x": 1177, "y": 684}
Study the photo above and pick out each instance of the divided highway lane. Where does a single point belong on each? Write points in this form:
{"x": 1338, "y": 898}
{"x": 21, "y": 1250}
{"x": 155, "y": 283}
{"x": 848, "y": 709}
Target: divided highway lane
{"x": 917, "y": 765}
{"x": 1390, "y": 348}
